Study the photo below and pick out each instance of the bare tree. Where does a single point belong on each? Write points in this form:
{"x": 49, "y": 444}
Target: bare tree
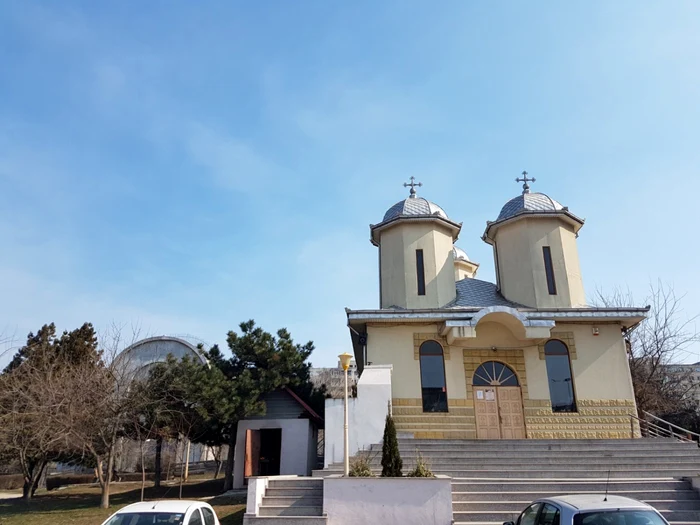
{"x": 29, "y": 401}
{"x": 665, "y": 338}
{"x": 100, "y": 405}
{"x": 32, "y": 398}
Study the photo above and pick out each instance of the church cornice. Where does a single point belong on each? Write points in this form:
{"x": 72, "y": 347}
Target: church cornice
{"x": 574, "y": 221}
{"x": 627, "y": 316}
{"x": 375, "y": 229}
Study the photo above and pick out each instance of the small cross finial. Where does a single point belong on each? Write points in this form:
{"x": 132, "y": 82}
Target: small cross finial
{"x": 525, "y": 180}
{"x": 412, "y": 185}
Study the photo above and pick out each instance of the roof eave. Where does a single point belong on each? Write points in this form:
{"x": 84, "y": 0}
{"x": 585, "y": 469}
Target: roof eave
{"x": 624, "y": 315}
{"x": 454, "y": 227}
{"x": 570, "y": 218}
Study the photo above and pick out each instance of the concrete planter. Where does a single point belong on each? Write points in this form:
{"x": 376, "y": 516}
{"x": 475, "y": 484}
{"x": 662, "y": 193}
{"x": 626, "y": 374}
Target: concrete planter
{"x": 389, "y": 501}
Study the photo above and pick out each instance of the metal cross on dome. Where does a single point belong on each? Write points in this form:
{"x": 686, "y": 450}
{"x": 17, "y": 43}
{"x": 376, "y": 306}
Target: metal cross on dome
{"x": 525, "y": 180}
{"x": 412, "y": 185}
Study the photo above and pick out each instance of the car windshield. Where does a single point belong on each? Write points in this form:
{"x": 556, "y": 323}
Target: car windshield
{"x": 147, "y": 518}
{"x": 619, "y": 517}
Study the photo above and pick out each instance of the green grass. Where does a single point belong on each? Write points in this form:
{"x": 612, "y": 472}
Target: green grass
{"x": 79, "y": 504}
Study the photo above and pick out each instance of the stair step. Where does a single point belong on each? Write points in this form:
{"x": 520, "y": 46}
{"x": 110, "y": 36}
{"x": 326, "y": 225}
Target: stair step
{"x": 557, "y": 473}
{"x": 295, "y": 483}
{"x": 527, "y": 463}
{"x": 537, "y": 454}
{"x": 567, "y": 486}
{"x": 519, "y": 505}
{"x": 292, "y": 501}
{"x": 503, "y": 516}
{"x": 294, "y": 492}
{"x": 643, "y": 495}
{"x": 286, "y": 520}
{"x": 311, "y": 510}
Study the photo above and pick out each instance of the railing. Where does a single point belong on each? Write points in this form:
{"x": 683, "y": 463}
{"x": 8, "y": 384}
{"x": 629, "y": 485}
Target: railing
{"x": 654, "y": 427}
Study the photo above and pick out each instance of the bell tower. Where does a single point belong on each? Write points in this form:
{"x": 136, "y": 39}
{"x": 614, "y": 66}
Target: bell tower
{"x": 416, "y": 261}
{"x": 534, "y": 244}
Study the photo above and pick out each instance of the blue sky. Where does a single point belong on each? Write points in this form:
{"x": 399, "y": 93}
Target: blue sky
{"x": 185, "y": 166}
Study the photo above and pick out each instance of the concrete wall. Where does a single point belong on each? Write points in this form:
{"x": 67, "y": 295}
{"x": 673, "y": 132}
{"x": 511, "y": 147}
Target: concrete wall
{"x": 399, "y": 285}
{"x": 522, "y": 275}
{"x": 389, "y": 501}
{"x": 366, "y": 415}
{"x": 295, "y": 446}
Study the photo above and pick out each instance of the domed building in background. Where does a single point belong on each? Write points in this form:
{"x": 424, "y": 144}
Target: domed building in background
{"x": 461, "y": 358}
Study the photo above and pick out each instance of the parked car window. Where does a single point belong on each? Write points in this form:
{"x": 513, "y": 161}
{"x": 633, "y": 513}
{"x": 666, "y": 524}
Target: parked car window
{"x": 619, "y": 517}
{"x": 529, "y": 515}
{"x": 196, "y": 518}
{"x": 549, "y": 515}
{"x": 209, "y": 518}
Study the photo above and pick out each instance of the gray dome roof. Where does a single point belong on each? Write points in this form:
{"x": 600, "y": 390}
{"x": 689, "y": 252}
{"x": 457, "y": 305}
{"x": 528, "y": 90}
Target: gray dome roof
{"x": 528, "y": 202}
{"x": 414, "y": 206}
{"x": 459, "y": 254}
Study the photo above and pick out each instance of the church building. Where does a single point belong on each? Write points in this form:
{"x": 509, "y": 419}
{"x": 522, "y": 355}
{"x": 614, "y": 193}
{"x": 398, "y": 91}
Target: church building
{"x": 524, "y": 357}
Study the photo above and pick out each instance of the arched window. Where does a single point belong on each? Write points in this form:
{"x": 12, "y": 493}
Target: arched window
{"x": 493, "y": 373}
{"x": 561, "y": 385}
{"x": 432, "y": 377}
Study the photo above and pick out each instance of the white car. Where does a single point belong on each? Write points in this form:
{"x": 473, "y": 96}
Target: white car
{"x": 589, "y": 509}
{"x": 165, "y": 512}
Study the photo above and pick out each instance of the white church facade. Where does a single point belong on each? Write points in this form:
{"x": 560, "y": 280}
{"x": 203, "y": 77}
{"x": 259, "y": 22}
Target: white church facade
{"x": 524, "y": 357}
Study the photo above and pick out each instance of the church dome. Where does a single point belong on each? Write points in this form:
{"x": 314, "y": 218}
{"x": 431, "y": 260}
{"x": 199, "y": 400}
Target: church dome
{"x": 459, "y": 254}
{"x": 414, "y": 206}
{"x": 528, "y": 203}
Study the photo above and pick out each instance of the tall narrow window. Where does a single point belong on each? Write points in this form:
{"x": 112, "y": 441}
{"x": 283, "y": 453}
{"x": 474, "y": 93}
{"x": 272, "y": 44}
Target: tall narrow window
{"x": 561, "y": 386}
{"x": 432, "y": 377}
{"x": 420, "y": 270}
{"x": 549, "y": 270}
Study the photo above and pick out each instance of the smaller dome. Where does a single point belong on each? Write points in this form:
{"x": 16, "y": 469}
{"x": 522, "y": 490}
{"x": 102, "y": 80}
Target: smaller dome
{"x": 414, "y": 206}
{"x": 459, "y": 254}
{"x": 528, "y": 202}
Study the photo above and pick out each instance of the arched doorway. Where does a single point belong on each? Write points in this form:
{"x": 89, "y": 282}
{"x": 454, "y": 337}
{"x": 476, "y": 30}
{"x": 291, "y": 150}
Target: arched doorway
{"x": 498, "y": 402}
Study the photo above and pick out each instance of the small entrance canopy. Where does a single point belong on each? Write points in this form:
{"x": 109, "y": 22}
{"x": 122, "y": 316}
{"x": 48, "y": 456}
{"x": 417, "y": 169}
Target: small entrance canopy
{"x": 517, "y": 323}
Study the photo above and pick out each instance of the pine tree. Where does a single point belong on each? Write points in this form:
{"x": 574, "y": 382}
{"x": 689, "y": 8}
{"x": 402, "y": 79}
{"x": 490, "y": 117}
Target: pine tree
{"x": 391, "y": 458}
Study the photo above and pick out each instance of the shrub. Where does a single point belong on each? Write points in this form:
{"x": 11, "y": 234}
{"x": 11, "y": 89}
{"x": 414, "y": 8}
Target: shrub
{"x": 422, "y": 469}
{"x": 11, "y": 481}
{"x": 361, "y": 466}
{"x": 391, "y": 458}
{"x": 53, "y": 482}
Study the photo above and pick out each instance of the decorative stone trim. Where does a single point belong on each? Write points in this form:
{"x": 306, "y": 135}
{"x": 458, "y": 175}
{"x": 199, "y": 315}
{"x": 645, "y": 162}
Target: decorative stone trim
{"x": 419, "y": 339}
{"x": 565, "y": 337}
{"x": 458, "y": 423}
{"x": 595, "y": 419}
{"x": 515, "y": 359}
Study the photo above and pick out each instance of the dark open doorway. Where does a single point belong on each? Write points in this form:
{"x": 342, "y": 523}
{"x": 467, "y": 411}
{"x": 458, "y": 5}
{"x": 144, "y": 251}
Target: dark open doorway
{"x": 270, "y": 451}
{"x": 263, "y": 452}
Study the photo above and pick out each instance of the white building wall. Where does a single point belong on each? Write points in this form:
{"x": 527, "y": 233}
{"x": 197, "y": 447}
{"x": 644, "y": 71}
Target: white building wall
{"x": 366, "y": 414}
{"x": 294, "y": 458}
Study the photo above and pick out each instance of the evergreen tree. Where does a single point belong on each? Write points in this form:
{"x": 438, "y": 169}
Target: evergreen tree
{"x": 391, "y": 458}
{"x": 260, "y": 363}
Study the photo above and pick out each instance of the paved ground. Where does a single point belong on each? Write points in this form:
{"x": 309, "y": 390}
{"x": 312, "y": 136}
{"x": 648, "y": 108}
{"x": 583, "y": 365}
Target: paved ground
{"x": 10, "y": 495}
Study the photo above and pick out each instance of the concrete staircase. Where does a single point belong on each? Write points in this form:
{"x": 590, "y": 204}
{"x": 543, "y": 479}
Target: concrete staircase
{"x": 296, "y": 501}
{"x": 493, "y": 481}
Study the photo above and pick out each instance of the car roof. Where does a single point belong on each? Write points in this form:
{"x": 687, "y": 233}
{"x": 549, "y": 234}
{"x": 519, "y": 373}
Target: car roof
{"x": 166, "y": 505}
{"x": 592, "y": 502}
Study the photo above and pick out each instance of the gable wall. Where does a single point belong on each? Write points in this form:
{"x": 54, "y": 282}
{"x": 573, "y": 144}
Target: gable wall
{"x": 280, "y": 405}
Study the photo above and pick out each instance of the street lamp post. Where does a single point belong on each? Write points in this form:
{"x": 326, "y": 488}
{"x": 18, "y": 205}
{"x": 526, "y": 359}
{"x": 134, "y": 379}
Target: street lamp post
{"x": 345, "y": 363}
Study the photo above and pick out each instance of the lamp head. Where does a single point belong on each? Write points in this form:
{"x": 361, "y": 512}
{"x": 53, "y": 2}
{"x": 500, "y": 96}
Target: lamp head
{"x": 345, "y": 359}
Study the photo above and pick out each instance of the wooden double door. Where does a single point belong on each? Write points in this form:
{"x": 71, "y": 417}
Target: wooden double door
{"x": 499, "y": 412}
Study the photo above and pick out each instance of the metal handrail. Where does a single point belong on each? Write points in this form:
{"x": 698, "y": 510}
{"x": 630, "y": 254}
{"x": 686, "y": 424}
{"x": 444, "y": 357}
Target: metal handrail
{"x": 652, "y": 430}
{"x": 684, "y": 430}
